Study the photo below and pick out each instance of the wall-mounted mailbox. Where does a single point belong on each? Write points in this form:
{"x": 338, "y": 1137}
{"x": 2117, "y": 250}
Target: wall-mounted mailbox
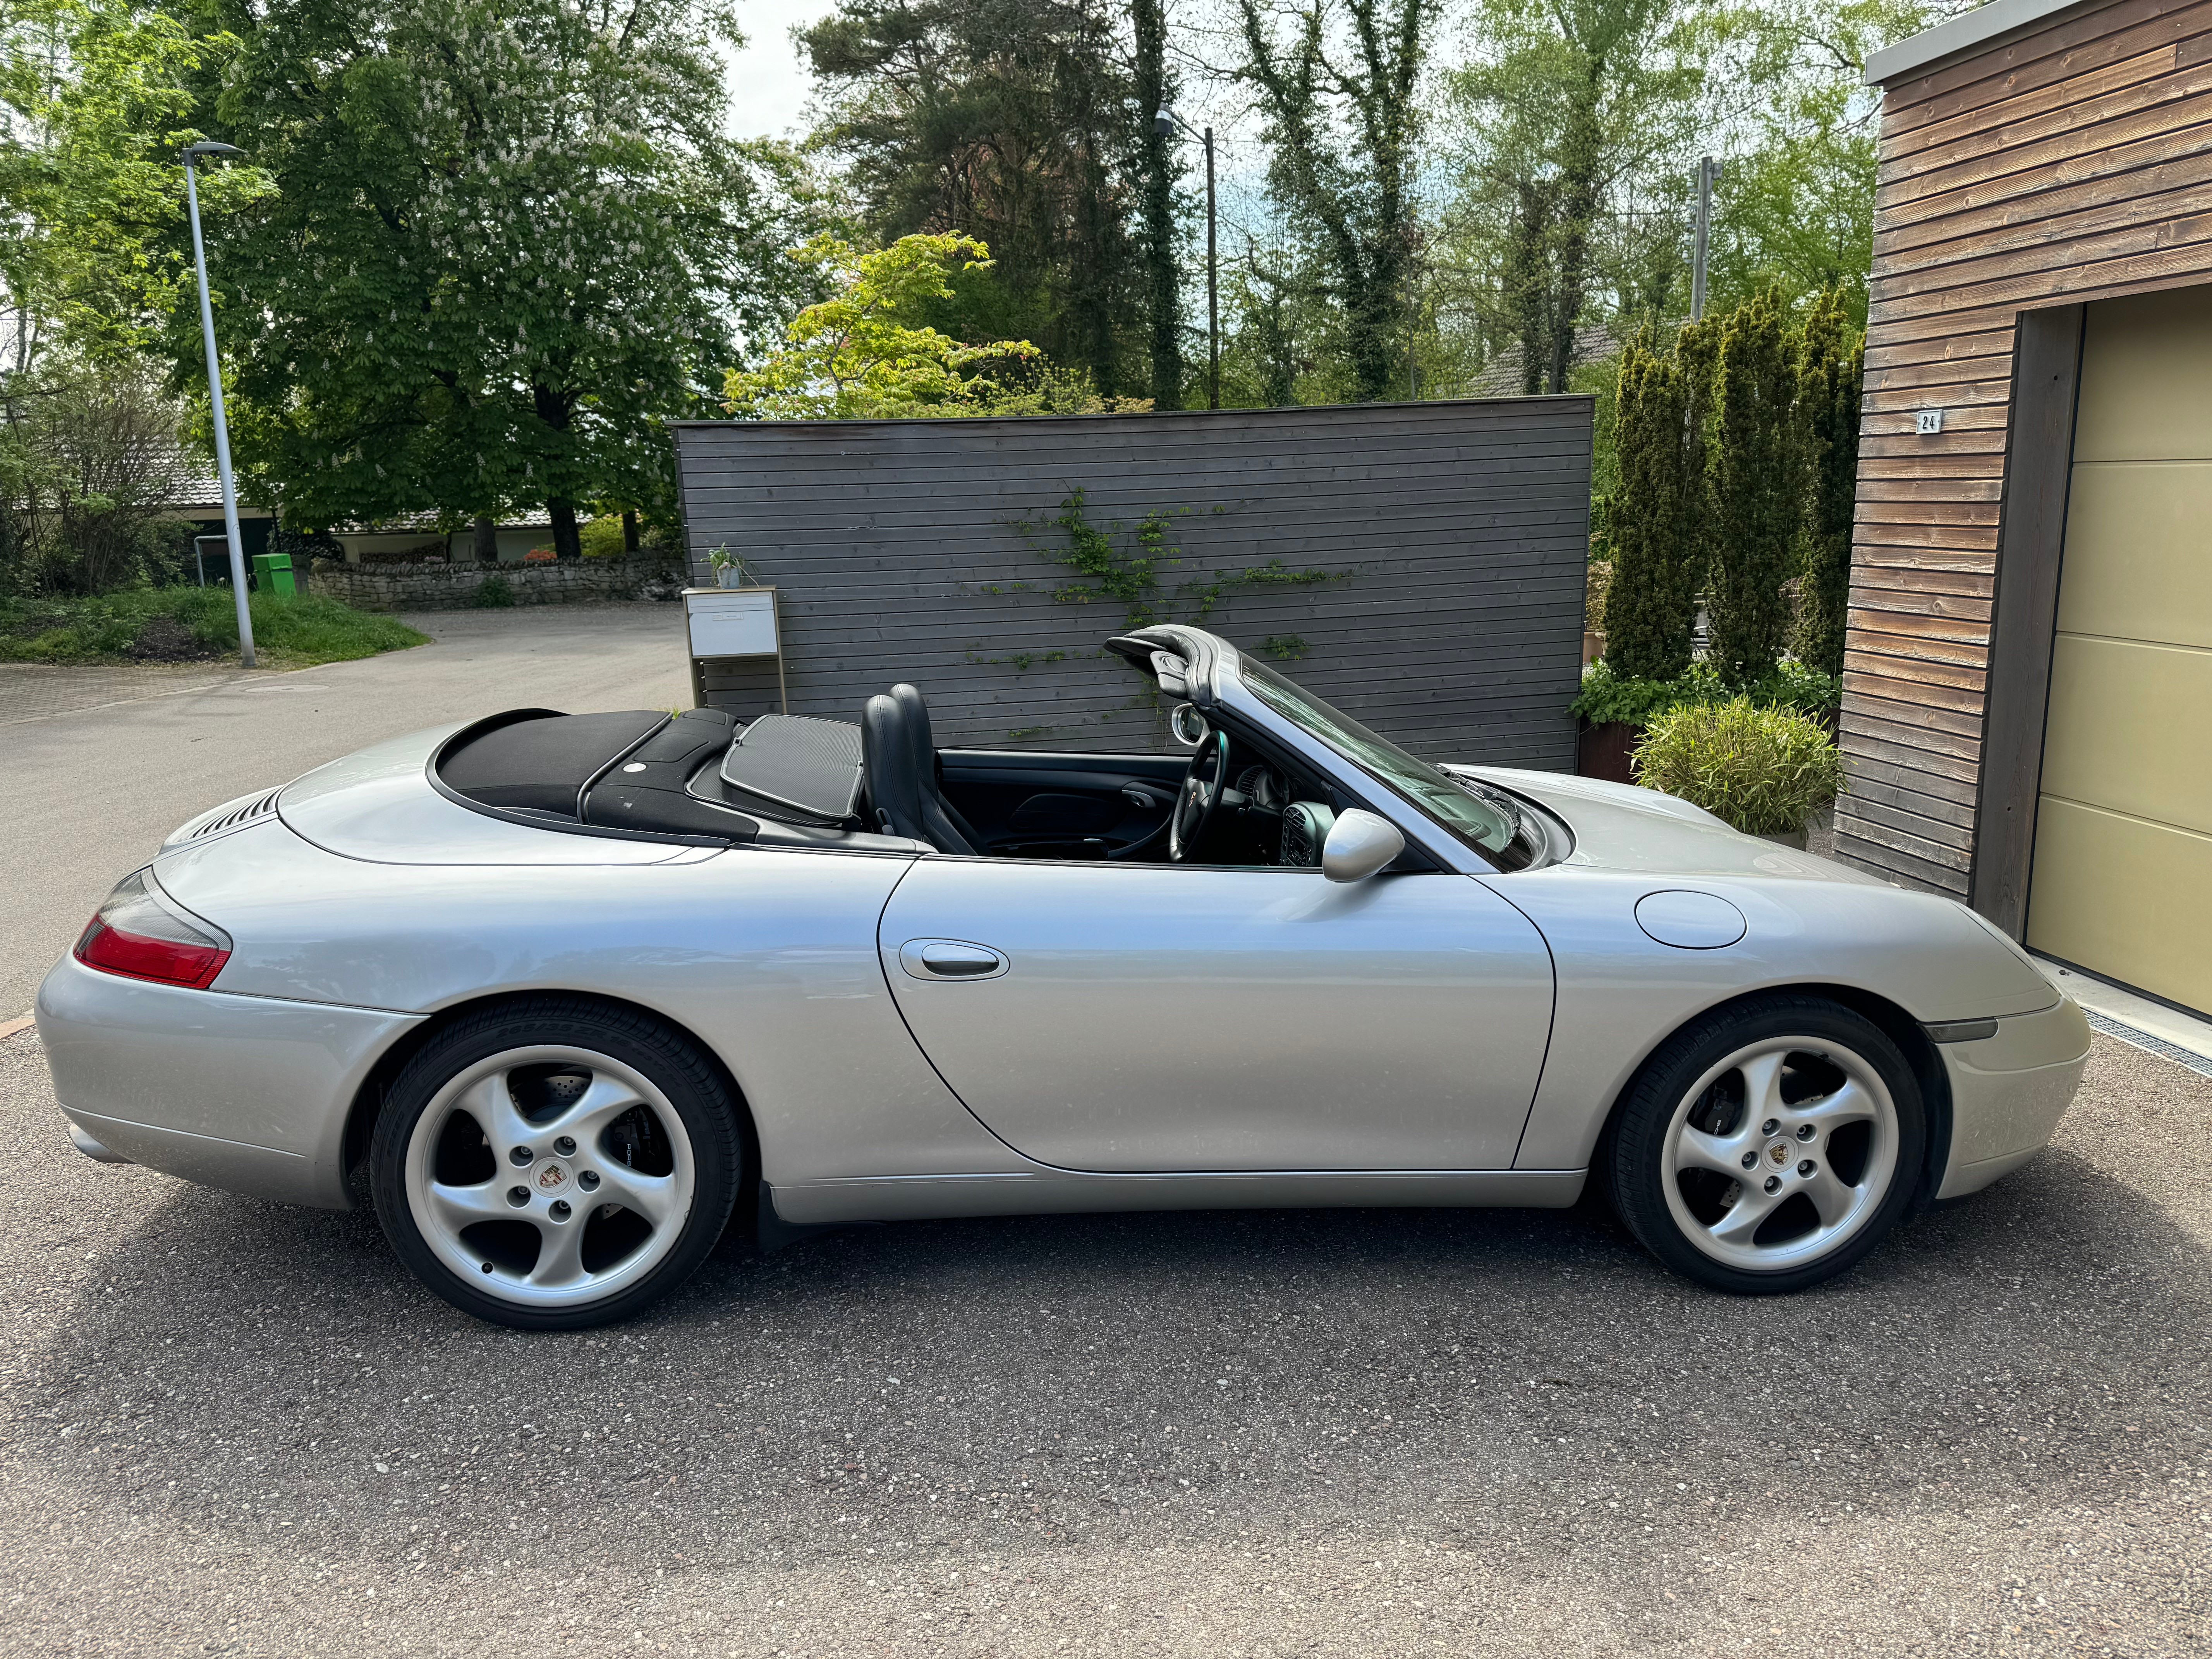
{"x": 732, "y": 622}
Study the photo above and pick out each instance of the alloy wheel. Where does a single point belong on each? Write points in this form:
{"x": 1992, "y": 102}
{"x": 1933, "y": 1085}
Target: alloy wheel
{"x": 549, "y": 1175}
{"x": 1780, "y": 1154}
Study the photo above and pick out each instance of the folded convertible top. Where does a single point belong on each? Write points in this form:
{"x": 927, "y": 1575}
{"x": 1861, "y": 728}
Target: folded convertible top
{"x": 641, "y": 771}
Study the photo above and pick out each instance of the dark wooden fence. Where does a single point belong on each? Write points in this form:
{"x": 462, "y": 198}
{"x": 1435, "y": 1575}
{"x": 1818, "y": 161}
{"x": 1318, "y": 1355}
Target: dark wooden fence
{"x": 1420, "y": 565}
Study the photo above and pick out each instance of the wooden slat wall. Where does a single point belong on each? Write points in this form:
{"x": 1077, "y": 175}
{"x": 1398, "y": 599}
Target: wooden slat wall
{"x": 1459, "y": 529}
{"x": 2072, "y": 163}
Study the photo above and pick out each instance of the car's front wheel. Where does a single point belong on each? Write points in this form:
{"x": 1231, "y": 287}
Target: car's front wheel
{"x": 556, "y": 1163}
{"x": 1769, "y": 1147}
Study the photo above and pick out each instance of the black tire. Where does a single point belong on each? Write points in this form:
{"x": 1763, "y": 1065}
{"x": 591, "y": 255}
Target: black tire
{"x": 687, "y": 1083}
{"x": 1633, "y": 1155}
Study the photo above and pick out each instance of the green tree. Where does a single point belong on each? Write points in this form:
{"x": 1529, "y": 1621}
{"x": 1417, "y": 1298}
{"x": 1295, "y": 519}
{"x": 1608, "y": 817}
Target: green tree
{"x": 1831, "y": 367}
{"x": 1653, "y": 516}
{"x": 508, "y": 238}
{"x": 1343, "y": 121}
{"x": 93, "y": 107}
{"x": 1758, "y": 488}
{"x": 1271, "y": 315}
{"x": 1016, "y": 122}
{"x": 1155, "y": 90}
{"x": 1795, "y": 201}
{"x": 1566, "y": 110}
{"x": 863, "y": 355}
{"x": 1570, "y": 133}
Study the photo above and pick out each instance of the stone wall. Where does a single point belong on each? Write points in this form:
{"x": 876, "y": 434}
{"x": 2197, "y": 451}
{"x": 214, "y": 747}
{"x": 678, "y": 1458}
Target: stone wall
{"x": 430, "y": 585}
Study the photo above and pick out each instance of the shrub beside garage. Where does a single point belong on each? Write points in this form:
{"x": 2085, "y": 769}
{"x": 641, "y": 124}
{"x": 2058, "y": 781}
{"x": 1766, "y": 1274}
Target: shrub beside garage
{"x": 1762, "y": 770}
{"x": 1736, "y": 447}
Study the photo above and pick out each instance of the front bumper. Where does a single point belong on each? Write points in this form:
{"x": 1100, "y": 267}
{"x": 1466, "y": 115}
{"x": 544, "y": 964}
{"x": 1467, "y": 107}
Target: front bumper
{"x": 247, "y": 1093}
{"x": 2008, "y": 1092}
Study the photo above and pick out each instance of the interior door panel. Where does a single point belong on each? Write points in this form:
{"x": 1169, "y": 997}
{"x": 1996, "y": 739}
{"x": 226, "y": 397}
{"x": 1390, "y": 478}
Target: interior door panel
{"x": 1146, "y": 1017}
{"x": 1061, "y": 807}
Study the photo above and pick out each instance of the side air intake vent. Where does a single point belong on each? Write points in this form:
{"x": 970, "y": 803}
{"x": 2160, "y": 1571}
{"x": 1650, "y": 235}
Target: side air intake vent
{"x": 259, "y": 807}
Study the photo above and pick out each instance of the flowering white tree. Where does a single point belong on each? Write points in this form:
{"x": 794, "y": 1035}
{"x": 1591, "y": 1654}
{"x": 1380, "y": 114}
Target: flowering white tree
{"x": 507, "y": 241}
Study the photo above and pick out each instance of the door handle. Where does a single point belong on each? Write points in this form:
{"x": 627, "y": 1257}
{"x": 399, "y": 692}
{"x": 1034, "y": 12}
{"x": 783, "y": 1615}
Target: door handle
{"x": 949, "y": 958}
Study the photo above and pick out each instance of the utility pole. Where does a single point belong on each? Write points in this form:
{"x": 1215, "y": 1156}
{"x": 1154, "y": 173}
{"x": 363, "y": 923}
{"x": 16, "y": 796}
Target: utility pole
{"x": 1165, "y": 122}
{"x": 1709, "y": 170}
{"x": 1213, "y": 297}
{"x": 192, "y": 153}
{"x": 1412, "y": 313}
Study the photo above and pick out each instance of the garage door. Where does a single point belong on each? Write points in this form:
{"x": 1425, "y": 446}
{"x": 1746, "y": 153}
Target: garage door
{"x": 2122, "y": 877}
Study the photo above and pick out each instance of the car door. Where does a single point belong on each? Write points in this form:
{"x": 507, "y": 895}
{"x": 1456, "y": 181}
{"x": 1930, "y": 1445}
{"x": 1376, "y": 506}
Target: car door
{"x": 1126, "y": 1017}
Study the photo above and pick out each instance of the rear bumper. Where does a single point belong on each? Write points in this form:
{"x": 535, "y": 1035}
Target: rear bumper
{"x": 2008, "y": 1092}
{"x": 245, "y": 1093}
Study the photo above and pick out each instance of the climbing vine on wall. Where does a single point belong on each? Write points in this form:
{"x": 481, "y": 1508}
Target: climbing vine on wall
{"x": 1137, "y": 568}
{"x": 1127, "y": 566}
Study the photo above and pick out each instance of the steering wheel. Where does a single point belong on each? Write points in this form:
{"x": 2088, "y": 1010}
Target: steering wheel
{"x": 1197, "y": 798}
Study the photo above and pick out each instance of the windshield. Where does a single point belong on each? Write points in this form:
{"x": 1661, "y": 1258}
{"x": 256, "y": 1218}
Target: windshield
{"x": 1485, "y": 817}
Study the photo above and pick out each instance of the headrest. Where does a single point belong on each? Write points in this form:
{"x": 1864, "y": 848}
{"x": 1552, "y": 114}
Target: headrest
{"x": 893, "y": 781}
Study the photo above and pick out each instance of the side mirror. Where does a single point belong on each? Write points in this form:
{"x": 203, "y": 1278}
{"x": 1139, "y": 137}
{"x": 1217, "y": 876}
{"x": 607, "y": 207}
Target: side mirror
{"x": 1187, "y": 725}
{"x": 1358, "y": 845}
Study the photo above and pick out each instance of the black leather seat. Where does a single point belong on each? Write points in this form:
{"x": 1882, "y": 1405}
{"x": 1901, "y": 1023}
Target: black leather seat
{"x": 948, "y": 831}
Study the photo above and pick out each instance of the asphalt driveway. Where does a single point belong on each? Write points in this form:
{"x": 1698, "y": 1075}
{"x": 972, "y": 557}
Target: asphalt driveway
{"x": 103, "y": 763}
{"x": 233, "y": 1428}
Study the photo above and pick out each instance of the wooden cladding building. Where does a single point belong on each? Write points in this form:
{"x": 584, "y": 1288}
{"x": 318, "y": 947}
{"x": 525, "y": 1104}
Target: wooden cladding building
{"x": 2027, "y": 706}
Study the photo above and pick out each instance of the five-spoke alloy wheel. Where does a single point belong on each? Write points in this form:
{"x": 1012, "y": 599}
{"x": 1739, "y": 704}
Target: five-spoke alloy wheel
{"x": 1769, "y": 1147}
{"x": 554, "y": 1167}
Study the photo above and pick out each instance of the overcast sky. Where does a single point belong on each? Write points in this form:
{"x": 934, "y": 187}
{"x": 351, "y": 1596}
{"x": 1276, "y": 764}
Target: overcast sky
{"x": 768, "y": 86}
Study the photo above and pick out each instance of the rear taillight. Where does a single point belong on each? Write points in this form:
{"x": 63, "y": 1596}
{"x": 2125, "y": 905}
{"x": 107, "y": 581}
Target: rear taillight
{"x": 136, "y": 934}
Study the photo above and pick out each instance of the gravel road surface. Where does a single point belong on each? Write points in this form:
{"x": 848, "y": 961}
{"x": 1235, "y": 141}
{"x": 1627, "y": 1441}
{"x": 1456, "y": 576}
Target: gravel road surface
{"x": 103, "y": 763}
{"x": 238, "y": 1429}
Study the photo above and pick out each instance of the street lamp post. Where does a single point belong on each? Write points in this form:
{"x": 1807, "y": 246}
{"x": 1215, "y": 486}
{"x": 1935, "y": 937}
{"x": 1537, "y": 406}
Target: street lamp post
{"x": 1165, "y": 122}
{"x": 193, "y": 152}
{"x": 1709, "y": 171}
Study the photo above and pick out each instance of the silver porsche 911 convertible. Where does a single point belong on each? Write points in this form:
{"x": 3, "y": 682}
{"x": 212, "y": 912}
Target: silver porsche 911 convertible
{"x": 558, "y": 993}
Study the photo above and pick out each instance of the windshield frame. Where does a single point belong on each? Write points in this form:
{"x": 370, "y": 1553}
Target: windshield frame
{"x": 1224, "y": 691}
{"x": 1489, "y": 822}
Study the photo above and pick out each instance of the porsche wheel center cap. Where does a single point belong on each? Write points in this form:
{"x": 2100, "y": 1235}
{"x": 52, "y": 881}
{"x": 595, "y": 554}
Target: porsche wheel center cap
{"x": 552, "y": 1177}
{"x": 1778, "y": 1154}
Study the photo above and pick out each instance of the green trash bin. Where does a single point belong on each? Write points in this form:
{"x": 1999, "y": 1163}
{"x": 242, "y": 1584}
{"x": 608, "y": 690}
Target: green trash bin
{"x": 272, "y": 573}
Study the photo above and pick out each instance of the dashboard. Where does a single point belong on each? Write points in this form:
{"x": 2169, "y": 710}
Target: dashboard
{"x": 1268, "y": 817}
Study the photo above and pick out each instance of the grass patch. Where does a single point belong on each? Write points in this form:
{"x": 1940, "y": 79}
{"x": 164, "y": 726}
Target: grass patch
{"x": 188, "y": 624}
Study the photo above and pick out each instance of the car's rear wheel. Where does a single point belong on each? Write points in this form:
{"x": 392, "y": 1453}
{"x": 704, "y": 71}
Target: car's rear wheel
{"x": 556, "y": 1163}
{"x": 1769, "y": 1147}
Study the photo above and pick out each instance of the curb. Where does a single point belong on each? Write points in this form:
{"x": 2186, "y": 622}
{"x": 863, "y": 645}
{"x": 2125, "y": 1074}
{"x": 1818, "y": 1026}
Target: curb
{"x": 21, "y": 1023}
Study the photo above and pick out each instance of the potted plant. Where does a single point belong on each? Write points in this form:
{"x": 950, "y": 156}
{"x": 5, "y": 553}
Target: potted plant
{"x": 1761, "y": 770}
{"x": 729, "y": 569}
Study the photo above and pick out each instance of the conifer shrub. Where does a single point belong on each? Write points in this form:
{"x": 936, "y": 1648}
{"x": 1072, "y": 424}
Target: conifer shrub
{"x": 1758, "y": 489}
{"x": 1831, "y": 366}
{"x": 1650, "y": 602}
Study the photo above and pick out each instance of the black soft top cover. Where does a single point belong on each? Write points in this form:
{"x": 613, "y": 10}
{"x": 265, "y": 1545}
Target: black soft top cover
{"x": 642, "y": 772}
{"x": 541, "y": 762}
